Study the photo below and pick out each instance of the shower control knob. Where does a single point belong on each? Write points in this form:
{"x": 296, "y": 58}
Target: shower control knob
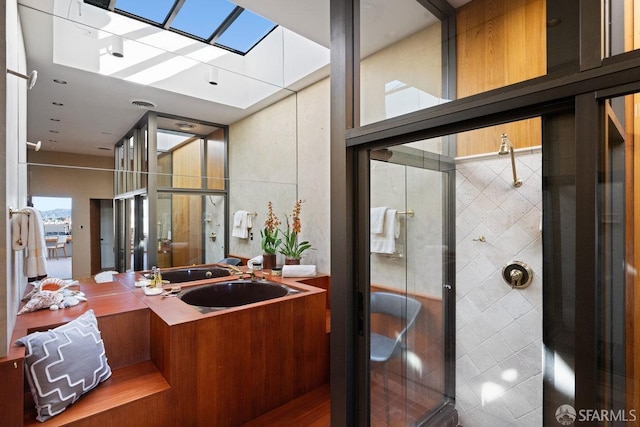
{"x": 517, "y": 274}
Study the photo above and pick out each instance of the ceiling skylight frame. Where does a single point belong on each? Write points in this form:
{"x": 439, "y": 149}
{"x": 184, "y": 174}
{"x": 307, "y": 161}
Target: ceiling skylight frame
{"x": 174, "y": 10}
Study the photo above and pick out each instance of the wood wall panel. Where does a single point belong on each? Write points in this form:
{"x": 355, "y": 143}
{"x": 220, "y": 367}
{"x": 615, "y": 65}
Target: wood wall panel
{"x": 12, "y": 374}
{"x": 187, "y": 170}
{"x": 215, "y": 160}
{"x": 164, "y": 169}
{"x": 500, "y": 42}
{"x": 186, "y": 221}
{"x": 525, "y": 133}
{"x": 186, "y": 226}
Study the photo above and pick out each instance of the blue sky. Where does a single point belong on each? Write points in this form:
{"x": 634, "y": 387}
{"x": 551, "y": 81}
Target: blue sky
{"x": 44, "y": 204}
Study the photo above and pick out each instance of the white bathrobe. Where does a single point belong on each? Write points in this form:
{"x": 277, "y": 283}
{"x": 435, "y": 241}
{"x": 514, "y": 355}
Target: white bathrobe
{"x": 27, "y": 233}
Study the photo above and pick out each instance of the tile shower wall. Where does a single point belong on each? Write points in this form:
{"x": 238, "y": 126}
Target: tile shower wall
{"x": 498, "y": 329}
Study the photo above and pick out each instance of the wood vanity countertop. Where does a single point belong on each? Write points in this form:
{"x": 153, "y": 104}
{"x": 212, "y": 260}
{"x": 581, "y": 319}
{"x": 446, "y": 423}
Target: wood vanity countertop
{"x": 163, "y": 333}
{"x": 103, "y": 298}
{"x": 122, "y": 295}
{"x": 174, "y": 311}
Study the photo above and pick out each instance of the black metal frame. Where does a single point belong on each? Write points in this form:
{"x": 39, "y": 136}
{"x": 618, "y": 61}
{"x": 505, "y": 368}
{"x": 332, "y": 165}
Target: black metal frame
{"x": 151, "y": 189}
{"x": 567, "y": 94}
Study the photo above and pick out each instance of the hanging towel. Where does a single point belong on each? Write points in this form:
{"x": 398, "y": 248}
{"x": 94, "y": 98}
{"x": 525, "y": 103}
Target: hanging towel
{"x": 385, "y": 242}
{"x": 240, "y": 224}
{"x": 249, "y": 221}
{"x": 237, "y": 218}
{"x": 27, "y": 232}
{"x": 377, "y": 220}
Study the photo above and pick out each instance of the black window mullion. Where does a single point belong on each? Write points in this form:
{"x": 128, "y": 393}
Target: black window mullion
{"x": 175, "y": 9}
{"x": 235, "y": 13}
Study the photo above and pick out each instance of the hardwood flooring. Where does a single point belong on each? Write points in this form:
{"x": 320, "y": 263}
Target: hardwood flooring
{"x": 310, "y": 410}
{"x": 314, "y": 408}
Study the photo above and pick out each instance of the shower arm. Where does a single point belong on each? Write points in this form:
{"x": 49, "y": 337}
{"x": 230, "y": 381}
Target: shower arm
{"x": 516, "y": 182}
{"x": 504, "y": 143}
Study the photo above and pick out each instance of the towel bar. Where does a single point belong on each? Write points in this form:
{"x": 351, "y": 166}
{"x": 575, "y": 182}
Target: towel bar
{"x": 410, "y": 213}
{"x": 12, "y": 212}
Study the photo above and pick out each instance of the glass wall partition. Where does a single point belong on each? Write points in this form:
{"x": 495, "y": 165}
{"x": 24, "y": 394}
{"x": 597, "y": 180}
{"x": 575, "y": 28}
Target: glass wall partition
{"x": 557, "y": 208}
{"x": 412, "y": 258}
{"x": 615, "y": 285}
{"x": 431, "y": 53}
{"x": 451, "y": 230}
{"x": 191, "y": 228}
{"x": 542, "y": 334}
{"x": 403, "y": 60}
{"x": 178, "y": 174}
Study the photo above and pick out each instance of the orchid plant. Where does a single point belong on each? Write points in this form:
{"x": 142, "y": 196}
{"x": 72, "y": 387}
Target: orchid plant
{"x": 291, "y": 248}
{"x": 270, "y": 240}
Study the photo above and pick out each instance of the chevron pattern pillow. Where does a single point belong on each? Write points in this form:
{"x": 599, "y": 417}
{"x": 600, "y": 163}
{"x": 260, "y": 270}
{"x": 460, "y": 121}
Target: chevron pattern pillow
{"x": 64, "y": 363}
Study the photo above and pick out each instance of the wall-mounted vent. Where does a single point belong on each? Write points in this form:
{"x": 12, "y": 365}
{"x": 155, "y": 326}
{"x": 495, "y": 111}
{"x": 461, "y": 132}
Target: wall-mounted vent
{"x": 143, "y": 104}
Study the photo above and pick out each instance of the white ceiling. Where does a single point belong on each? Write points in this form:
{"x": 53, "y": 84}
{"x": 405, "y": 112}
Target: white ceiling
{"x": 66, "y": 41}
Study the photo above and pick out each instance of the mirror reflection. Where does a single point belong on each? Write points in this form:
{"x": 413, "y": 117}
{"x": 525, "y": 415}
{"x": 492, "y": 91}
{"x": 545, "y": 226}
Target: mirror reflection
{"x": 163, "y": 152}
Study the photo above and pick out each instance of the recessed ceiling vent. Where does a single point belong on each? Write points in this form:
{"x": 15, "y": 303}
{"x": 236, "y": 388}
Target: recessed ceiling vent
{"x": 143, "y": 104}
{"x": 185, "y": 126}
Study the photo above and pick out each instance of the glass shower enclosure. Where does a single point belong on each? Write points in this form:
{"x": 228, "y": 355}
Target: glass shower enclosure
{"x": 171, "y": 194}
{"x": 411, "y": 292}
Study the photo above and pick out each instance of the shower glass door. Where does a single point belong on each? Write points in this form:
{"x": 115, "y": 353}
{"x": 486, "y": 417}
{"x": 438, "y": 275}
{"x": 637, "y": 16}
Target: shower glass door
{"x": 411, "y": 290}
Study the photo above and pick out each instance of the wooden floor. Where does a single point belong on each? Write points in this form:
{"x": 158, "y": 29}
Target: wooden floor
{"x": 312, "y": 409}
{"x": 407, "y": 405}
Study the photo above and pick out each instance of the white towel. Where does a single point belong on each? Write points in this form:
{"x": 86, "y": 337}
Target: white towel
{"x": 256, "y": 259}
{"x": 240, "y": 225}
{"x": 237, "y": 218}
{"x": 385, "y": 242}
{"x": 249, "y": 221}
{"x": 298, "y": 271}
{"x": 377, "y": 220}
{"x": 104, "y": 276}
{"x": 27, "y": 232}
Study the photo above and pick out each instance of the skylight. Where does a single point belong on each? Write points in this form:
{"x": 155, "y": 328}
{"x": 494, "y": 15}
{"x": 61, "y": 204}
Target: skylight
{"x": 218, "y": 22}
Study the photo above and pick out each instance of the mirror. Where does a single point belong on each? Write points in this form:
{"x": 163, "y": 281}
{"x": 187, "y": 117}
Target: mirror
{"x": 262, "y": 149}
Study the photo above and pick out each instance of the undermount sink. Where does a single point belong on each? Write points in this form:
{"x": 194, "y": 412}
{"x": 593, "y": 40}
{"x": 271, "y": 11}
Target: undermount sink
{"x": 221, "y": 295}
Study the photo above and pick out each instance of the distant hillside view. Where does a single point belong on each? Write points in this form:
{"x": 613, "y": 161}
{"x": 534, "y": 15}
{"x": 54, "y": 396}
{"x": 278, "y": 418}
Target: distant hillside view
{"x": 56, "y": 215}
{"x": 56, "y": 221}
